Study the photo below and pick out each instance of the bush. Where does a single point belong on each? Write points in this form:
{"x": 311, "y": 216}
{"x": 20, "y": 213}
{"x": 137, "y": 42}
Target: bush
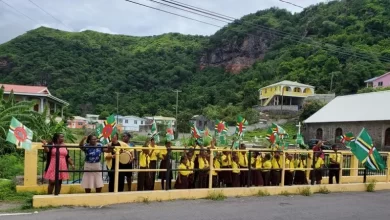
{"x": 305, "y": 191}
{"x": 8, "y": 192}
{"x": 370, "y": 187}
{"x": 262, "y": 193}
{"x": 216, "y": 196}
{"x": 285, "y": 193}
{"x": 11, "y": 165}
{"x": 323, "y": 190}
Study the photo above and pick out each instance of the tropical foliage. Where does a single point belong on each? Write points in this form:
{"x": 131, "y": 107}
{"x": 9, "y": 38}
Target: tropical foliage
{"x": 341, "y": 41}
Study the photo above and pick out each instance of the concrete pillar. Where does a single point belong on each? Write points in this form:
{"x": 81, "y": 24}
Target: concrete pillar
{"x": 290, "y": 100}
{"x": 55, "y": 107}
{"x": 354, "y": 166}
{"x": 62, "y": 111}
{"x": 42, "y": 105}
{"x": 31, "y": 165}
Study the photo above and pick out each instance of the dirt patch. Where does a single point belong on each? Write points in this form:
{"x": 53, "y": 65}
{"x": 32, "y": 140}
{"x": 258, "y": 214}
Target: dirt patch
{"x": 4, "y": 206}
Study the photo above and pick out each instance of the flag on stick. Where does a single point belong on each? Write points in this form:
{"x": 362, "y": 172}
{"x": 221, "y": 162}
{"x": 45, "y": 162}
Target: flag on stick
{"x": 240, "y": 127}
{"x": 107, "y": 130}
{"x": 19, "y": 134}
{"x": 170, "y": 136}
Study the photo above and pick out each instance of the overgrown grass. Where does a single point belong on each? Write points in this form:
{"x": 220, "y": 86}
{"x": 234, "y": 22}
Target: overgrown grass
{"x": 290, "y": 128}
{"x": 323, "y": 190}
{"x": 285, "y": 193}
{"x": 305, "y": 191}
{"x": 216, "y": 196}
{"x": 262, "y": 193}
{"x": 370, "y": 187}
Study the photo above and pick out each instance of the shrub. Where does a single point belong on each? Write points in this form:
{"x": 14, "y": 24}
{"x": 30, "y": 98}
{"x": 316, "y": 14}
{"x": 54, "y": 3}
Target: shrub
{"x": 370, "y": 187}
{"x": 285, "y": 193}
{"x": 262, "y": 193}
{"x": 323, "y": 190}
{"x": 305, "y": 191}
{"x": 216, "y": 196}
{"x": 11, "y": 165}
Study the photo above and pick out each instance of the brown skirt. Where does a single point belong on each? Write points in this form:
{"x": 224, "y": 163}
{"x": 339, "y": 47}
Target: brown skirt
{"x": 317, "y": 175}
{"x": 191, "y": 181}
{"x": 235, "y": 180}
{"x": 288, "y": 178}
{"x": 300, "y": 178}
{"x": 181, "y": 182}
{"x": 226, "y": 176}
{"x": 162, "y": 174}
{"x": 203, "y": 179}
{"x": 266, "y": 178}
{"x": 275, "y": 177}
{"x": 257, "y": 178}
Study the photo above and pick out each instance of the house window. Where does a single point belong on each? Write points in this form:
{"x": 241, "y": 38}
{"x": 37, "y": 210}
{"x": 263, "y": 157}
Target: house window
{"x": 387, "y": 137}
{"x": 80, "y": 123}
{"x": 380, "y": 83}
{"x": 142, "y": 122}
{"x": 126, "y": 121}
{"x": 135, "y": 122}
{"x": 338, "y": 133}
{"x": 319, "y": 133}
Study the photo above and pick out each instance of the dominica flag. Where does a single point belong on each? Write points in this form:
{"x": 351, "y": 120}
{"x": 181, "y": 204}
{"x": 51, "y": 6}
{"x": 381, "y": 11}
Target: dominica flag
{"x": 154, "y": 132}
{"x": 195, "y": 132}
{"x": 170, "y": 135}
{"x": 206, "y": 133}
{"x": 346, "y": 138}
{"x": 363, "y": 148}
{"x": 107, "y": 130}
{"x": 271, "y": 135}
{"x": 19, "y": 134}
{"x": 279, "y": 130}
{"x": 221, "y": 127}
{"x": 240, "y": 127}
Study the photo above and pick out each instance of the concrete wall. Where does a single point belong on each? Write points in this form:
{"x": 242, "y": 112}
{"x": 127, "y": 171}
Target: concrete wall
{"x": 375, "y": 129}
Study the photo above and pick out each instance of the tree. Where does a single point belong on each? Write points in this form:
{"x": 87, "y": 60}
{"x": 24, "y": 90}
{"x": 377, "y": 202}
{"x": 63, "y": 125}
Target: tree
{"x": 309, "y": 108}
{"x": 104, "y": 115}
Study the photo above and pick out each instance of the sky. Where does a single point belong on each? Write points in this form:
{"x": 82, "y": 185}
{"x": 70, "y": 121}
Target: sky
{"x": 122, "y": 17}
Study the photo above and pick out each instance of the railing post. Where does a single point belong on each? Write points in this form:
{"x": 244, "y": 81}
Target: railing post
{"x": 31, "y": 159}
{"x": 56, "y": 172}
{"x": 168, "y": 172}
{"x": 283, "y": 168}
{"x": 116, "y": 172}
{"x": 312, "y": 176}
{"x": 354, "y": 166}
{"x": 341, "y": 168}
{"x": 387, "y": 167}
{"x": 365, "y": 175}
{"x": 211, "y": 168}
{"x": 249, "y": 169}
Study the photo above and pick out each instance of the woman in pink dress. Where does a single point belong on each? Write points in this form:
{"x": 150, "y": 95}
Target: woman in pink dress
{"x": 58, "y": 139}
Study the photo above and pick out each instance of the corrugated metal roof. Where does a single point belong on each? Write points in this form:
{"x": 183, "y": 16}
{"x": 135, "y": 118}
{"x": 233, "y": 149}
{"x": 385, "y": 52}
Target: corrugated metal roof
{"x": 374, "y": 106}
{"x": 288, "y": 83}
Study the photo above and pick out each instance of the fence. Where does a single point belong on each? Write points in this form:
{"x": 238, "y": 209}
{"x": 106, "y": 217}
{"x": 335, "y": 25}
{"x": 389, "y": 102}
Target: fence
{"x": 349, "y": 165}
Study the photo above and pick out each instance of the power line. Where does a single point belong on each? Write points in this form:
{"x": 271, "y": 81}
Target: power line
{"x": 186, "y": 10}
{"x": 49, "y": 14}
{"x": 298, "y": 39}
{"x": 193, "y": 19}
{"x": 18, "y": 11}
{"x": 290, "y": 3}
{"x": 202, "y": 9}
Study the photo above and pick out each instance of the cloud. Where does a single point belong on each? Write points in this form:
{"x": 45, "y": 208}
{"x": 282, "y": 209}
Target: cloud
{"x": 121, "y": 17}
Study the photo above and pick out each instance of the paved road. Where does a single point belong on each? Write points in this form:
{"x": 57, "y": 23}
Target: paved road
{"x": 346, "y": 206}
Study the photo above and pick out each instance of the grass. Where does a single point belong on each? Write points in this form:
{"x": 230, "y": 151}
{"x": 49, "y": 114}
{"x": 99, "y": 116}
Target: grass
{"x": 285, "y": 193}
{"x": 262, "y": 193}
{"x": 370, "y": 187}
{"x": 145, "y": 200}
{"x": 323, "y": 190}
{"x": 290, "y": 128}
{"x": 216, "y": 196}
{"x": 305, "y": 191}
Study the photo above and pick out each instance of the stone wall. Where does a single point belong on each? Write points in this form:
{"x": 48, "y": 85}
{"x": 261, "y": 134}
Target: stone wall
{"x": 375, "y": 129}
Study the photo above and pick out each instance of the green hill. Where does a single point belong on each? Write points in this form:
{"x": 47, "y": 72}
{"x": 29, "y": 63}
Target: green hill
{"x": 347, "y": 39}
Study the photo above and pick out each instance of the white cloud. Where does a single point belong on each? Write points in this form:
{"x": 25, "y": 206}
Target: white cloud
{"x": 121, "y": 17}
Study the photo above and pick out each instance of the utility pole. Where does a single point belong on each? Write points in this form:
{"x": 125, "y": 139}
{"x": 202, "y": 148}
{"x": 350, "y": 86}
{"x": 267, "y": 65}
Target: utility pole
{"x": 117, "y": 107}
{"x": 331, "y": 83}
{"x": 177, "y": 105}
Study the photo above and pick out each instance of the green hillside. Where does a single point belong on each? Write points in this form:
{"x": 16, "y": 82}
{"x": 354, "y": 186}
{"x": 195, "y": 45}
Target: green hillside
{"x": 347, "y": 39}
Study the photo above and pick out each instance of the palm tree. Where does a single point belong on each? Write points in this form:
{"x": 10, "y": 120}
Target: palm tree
{"x": 10, "y": 108}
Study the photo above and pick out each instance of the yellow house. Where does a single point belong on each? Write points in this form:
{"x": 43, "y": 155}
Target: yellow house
{"x": 285, "y": 95}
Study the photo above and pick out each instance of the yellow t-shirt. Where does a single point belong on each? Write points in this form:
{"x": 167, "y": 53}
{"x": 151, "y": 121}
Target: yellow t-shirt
{"x": 190, "y": 165}
{"x": 243, "y": 159}
{"x": 258, "y": 162}
{"x": 144, "y": 159}
{"x": 289, "y": 164}
{"x": 228, "y": 162}
{"x": 319, "y": 163}
{"x": 336, "y": 157}
{"x": 300, "y": 164}
{"x": 153, "y": 152}
{"x": 217, "y": 165}
{"x": 162, "y": 152}
{"x": 267, "y": 165}
{"x": 196, "y": 152}
{"x": 203, "y": 163}
{"x": 235, "y": 167}
{"x": 276, "y": 164}
{"x": 183, "y": 171}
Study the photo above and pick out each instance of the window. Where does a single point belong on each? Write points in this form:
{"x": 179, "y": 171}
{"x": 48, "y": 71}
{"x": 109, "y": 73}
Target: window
{"x": 126, "y": 121}
{"x": 80, "y": 123}
{"x": 387, "y": 137}
{"x": 319, "y": 133}
{"x": 338, "y": 133}
{"x": 135, "y": 122}
{"x": 380, "y": 83}
{"x": 120, "y": 121}
{"x": 142, "y": 122}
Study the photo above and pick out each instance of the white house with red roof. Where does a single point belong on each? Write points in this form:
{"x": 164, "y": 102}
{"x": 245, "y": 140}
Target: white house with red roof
{"x": 40, "y": 94}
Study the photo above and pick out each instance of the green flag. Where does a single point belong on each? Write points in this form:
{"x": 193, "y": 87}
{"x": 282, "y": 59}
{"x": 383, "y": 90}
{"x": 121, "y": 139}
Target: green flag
{"x": 107, "y": 130}
{"x": 299, "y": 139}
{"x": 346, "y": 138}
{"x": 363, "y": 148}
{"x": 154, "y": 132}
{"x": 241, "y": 126}
{"x": 19, "y": 134}
{"x": 170, "y": 136}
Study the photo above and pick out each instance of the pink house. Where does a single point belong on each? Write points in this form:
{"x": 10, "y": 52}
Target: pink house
{"x": 379, "y": 81}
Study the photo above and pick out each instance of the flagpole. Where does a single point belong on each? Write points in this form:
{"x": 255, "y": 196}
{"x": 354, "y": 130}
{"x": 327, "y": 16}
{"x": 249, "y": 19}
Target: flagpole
{"x": 117, "y": 107}
{"x": 177, "y": 105}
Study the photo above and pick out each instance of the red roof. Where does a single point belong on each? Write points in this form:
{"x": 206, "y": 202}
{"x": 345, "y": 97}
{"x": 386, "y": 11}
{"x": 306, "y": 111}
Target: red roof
{"x": 25, "y": 89}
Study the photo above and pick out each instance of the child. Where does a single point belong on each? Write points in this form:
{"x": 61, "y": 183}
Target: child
{"x": 226, "y": 162}
{"x": 275, "y": 173}
{"x": 203, "y": 166}
{"x": 235, "y": 172}
{"x": 257, "y": 178}
{"x": 144, "y": 177}
{"x": 316, "y": 174}
{"x": 300, "y": 173}
{"x": 289, "y": 174}
{"x": 216, "y": 165}
{"x": 267, "y": 166}
{"x": 182, "y": 178}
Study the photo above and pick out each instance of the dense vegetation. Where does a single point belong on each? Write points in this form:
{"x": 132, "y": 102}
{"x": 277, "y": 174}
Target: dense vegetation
{"x": 88, "y": 68}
